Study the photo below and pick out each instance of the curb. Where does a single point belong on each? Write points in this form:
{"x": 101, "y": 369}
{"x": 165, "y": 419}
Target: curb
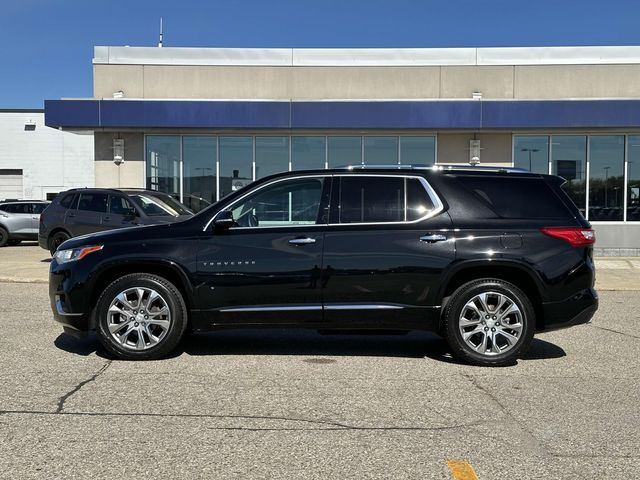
{"x": 22, "y": 280}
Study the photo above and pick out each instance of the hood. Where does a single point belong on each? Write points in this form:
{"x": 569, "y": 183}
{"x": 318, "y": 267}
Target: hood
{"x": 119, "y": 235}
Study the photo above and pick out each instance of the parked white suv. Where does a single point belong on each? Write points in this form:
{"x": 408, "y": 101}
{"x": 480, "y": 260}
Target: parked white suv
{"x": 20, "y": 220}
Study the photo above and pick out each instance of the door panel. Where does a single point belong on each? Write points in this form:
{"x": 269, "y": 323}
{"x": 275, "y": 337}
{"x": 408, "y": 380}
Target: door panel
{"x": 267, "y": 267}
{"x": 88, "y": 216}
{"x": 386, "y": 247}
{"x": 261, "y": 277}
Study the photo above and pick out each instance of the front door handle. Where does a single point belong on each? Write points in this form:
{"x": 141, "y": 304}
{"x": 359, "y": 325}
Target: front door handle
{"x": 432, "y": 238}
{"x": 302, "y": 241}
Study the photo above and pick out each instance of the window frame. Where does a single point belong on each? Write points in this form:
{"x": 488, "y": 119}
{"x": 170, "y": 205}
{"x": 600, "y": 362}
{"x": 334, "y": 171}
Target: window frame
{"x": 438, "y": 206}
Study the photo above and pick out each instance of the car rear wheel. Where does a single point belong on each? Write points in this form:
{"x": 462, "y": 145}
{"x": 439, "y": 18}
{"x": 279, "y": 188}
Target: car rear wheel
{"x": 4, "y": 237}
{"x": 56, "y": 240}
{"x": 141, "y": 317}
{"x": 489, "y": 322}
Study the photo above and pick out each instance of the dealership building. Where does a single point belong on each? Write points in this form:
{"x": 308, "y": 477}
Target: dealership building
{"x": 201, "y": 122}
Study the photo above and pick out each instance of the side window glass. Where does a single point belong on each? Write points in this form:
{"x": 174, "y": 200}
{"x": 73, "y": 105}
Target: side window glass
{"x": 67, "y": 200}
{"x": 419, "y": 203}
{"x": 366, "y": 199}
{"x": 38, "y": 208}
{"x": 93, "y": 202}
{"x": 120, "y": 206}
{"x": 8, "y": 207}
{"x": 285, "y": 203}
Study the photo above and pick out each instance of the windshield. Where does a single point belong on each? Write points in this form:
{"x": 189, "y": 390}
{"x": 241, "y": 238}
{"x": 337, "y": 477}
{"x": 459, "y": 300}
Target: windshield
{"x": 159, "y": 205}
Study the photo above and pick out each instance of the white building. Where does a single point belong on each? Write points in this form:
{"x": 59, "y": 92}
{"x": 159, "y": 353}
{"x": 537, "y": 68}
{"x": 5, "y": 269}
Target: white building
{"x": 37, "y": 162}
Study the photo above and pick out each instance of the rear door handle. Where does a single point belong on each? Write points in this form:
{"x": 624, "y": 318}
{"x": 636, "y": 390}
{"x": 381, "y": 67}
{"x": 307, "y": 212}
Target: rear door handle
{"x": 302, "y": 241}
{"x": 432, "y": 238}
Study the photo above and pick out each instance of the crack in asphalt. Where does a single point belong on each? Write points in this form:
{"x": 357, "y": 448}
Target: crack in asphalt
{"x": 614, "y": 331}
{"x": 504, "y": 410}
{"x": 330, "y": 425}
{"x": 75, "y": 389}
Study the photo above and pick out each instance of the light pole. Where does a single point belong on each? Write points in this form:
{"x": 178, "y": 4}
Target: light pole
{"x": 530, "y": 150}
{"x": 606, "y": 181}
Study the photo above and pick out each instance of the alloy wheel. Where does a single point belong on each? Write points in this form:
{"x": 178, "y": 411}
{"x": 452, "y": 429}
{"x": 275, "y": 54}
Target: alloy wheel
{"x": 139, "y": 318}
{"x": 491, "y": 323}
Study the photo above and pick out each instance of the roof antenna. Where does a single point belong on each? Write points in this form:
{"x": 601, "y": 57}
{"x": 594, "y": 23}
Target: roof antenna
{"x": 160, "y": 42}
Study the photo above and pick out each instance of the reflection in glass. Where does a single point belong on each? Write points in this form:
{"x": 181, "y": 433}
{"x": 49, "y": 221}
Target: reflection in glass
{"x": 569, "y": 157}
{"x": 380, "y": 150}
{"x": 307, "y": 153}
{"x": 633, "y": 176}
{"x": 292, "y": 202}
{"x": 531, "y": 153}
{"x": 417, "y": 150}
{"x": 163, "y": 163}
{"x": 606, "y": 177}
{"x": 344, "y": 151}
{"x": 236, "y": 163}
{"x": 199, "y": 169}
{"x": 272, "y": 155}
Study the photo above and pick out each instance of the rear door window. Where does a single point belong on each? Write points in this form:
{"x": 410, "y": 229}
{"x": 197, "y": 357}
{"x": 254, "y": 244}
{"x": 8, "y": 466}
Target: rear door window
{"x": 93, "y": 202}
{"x": 20, "y": 208}
{"x": 38, "y": 208}
{"x": 67, "y": 200}
{"x": 516, "y": 197}
{"x": 383, "y": 199}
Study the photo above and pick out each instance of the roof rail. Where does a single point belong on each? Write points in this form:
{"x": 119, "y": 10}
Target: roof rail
{"x": 440, "y": 167}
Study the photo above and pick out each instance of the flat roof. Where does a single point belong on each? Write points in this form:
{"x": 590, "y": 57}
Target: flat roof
{"x": 364, "y": 57}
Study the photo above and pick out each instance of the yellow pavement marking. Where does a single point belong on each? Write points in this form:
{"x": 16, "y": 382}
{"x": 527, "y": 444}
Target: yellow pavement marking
{"x": 461, "y": 470}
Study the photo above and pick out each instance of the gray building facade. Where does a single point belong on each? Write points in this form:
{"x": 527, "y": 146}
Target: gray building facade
{"x": 201, "y": 122}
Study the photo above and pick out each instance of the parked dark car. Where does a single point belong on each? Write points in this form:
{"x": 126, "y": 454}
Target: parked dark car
{"x": 485, "y": 257}
{"x": 89, "y": 210}
{"x": 19, "y": 220}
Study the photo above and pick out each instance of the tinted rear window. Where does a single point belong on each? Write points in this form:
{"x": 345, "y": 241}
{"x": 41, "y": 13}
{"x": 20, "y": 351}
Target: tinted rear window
{"x": 516, "y": 197}
{"x": 66, "y": 200}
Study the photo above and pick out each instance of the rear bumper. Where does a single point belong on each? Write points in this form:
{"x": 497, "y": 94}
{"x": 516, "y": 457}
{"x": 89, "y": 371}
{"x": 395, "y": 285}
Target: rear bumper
{"x": 575, "y": 310}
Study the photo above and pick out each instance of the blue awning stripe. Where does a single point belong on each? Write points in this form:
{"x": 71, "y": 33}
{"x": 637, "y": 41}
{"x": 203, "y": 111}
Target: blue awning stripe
{"x": 431, "y": 114}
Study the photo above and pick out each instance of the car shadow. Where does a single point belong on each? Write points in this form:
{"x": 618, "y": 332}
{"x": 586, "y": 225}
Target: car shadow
{"x": 301, "y": 342}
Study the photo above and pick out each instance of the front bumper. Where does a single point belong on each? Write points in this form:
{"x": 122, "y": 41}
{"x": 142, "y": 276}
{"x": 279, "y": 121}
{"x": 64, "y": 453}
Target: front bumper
{"x": 575, "y": 310}
{"x": 68, "y": 301}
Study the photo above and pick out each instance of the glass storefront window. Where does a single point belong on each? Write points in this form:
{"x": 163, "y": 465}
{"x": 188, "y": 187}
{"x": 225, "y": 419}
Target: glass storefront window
{"x": 606, "y": 177}
{"x": 569, "y": 160}
{"x": 417, "y": 150}
{"x": 344, "y": 151}
{"x": 531, "y": 153}
{"x": 272, "y": 155}
{"x": 199, "y": 171}
{"x": 163, "y": 163}
{"x": 633, "y": 178}
{"x": 307, "y": 153}
{"x": 380, "y": 150}
{"x": 236, "y": 163}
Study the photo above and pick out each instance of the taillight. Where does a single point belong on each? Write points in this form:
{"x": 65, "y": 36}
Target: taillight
{"x": 574, "y": 236}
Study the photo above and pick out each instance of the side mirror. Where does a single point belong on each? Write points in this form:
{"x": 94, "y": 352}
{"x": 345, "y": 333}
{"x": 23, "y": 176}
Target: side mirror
{"x": 224, "y": 220}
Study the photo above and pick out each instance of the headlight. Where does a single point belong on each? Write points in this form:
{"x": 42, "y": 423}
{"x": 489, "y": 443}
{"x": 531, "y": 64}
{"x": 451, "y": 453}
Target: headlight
{"x": 73, "y": 254}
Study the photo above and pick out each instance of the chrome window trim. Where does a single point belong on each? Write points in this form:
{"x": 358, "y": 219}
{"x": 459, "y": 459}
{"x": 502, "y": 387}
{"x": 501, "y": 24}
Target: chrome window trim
{"x": 252, "y": 191}
{"x": 437, "y": 203}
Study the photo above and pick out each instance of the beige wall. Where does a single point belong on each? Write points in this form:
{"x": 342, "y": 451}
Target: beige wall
{"x": 128, "y": 174}
{"x": 495, "y": 148}
{"x": 304, "y": 83}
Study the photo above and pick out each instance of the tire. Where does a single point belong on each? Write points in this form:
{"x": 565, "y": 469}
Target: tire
{"x": 476, "y": 309}
{"x": 151, "y": 334}
{"x": 56, "y": 240}
{"x": 4, "y": 237}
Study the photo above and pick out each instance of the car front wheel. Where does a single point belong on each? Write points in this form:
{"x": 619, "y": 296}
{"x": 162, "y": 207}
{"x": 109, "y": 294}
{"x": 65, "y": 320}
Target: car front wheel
{"x": 141, "y": 317}
{"x": 489, "y": 322}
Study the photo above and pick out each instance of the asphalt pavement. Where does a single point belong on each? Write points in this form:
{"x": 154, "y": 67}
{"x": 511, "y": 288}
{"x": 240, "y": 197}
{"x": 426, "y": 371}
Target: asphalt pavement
{"x": 295, "y": 404}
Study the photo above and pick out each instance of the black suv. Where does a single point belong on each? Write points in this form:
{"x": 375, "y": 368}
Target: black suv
{"x": 88, "y": 210}
{"x": 483, "y": 257}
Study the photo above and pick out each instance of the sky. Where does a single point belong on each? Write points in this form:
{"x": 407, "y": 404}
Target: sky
{"x": 46, "y": 46}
